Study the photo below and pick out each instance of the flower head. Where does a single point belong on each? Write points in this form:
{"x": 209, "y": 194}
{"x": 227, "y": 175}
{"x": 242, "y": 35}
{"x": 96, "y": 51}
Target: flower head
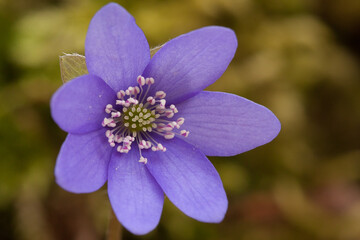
{"x": 145, "y": 125}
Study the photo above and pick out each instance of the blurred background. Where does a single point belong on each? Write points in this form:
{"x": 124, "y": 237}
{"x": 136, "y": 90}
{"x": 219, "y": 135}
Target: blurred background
{"x": 300, "y": 58}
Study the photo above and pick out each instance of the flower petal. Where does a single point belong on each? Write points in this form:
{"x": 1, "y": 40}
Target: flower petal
{"x": 189, "y": 180}
{"x": 223, "y": 124}
{"x": 79, "y": 105}
{"x": 82, "y": 163}
{"x": 115, "y": 48}
{"x": 189, "y": 63}
{"x": 134, "y": 194}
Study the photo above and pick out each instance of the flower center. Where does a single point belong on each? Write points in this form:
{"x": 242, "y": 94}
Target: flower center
{"x": 137, "y": 116}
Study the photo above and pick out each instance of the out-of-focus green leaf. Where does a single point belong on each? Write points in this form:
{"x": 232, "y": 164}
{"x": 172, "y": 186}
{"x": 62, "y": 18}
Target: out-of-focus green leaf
{"x": 72, "y": 66}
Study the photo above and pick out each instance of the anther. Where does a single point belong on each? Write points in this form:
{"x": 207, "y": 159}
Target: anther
{"x": 180, "y": 121}
{"x": 162, "y": 103}
{"x": 141, "y": 80}
{"x": 151, "y": 100}
{"x": 160, "y": 94}
{"x": 169, "y": 135}
{"x": 108, "y": 108}
{"x": 149, "y": 81}
{"x": 143, "y": 160}
{"x": 121, "y": 94}
{"x": 184, "y": 133}
{"x": 115, "y": 114}
{"x": 172, "y": 107}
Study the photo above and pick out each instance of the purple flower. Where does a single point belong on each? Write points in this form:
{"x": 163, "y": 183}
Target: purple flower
{"x": 145, "y": 125}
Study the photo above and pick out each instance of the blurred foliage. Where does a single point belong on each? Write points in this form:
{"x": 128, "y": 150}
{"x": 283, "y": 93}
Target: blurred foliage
{"x": 300, "y": 58}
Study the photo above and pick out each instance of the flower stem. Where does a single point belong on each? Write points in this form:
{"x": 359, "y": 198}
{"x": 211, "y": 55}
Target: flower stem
{"x": 114, "y": 228}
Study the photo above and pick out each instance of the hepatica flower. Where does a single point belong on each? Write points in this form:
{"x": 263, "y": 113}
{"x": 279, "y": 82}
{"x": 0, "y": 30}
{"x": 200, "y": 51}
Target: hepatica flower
{"x": 145, "y": 125}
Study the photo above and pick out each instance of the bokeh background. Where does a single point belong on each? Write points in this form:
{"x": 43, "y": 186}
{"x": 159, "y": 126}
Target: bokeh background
{"x": 300, "y": 58}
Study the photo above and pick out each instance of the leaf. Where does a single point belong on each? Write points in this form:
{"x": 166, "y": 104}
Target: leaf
{"x": 72, "y": 66}
{"x": 155, "y": 49}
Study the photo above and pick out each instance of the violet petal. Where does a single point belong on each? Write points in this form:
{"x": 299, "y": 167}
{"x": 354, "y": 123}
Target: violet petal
{"x": 116, "y": 48}
{"x": 189, "y": 180}
{"x": 78, "y": 106}
{"x": 223, "y": 124}
{"x": 82, "y": 164}
{"x": 189, "y": 63}
{"x": 134, "y": 194}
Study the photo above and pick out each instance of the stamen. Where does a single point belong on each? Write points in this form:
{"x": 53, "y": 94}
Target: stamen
{"x": 160, "y": 94}
{"x": 184, "y": 133}
{"x": 180, "y": 121}
{"x": 169, "y": 135}
{"x": 121, "y": 94}
{"x": 149, "y": 81}
{"x": 137, "y": 116}
{"x": 141, "y": 80}
{"x": 143, "y": 160}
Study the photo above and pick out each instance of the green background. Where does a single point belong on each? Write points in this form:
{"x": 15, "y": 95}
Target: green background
{"x": 299, "y": 58}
